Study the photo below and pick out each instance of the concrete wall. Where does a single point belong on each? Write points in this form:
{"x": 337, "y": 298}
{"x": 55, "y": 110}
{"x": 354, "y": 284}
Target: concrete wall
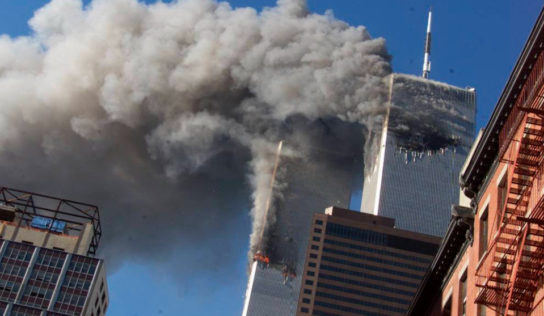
{"x": 41, "y": 238}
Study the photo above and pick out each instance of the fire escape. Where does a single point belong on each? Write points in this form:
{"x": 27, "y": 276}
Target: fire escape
{"x": 508, "y": 274}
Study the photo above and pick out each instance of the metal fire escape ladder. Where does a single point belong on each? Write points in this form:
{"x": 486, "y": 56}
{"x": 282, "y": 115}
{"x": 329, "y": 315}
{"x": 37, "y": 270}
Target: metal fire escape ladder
{"x": 506, "y": 273}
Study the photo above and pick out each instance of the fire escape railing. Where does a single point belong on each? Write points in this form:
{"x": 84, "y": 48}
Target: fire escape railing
{"x": 507, "y": 273}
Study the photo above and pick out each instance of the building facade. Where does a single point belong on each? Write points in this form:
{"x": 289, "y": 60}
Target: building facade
{"x": 322, "y": 176}
{"x": 424, "y": 142}
{"x": 46, "y": 263}
{"x": 359, "y": 264}
{"x": 496, "y": 267}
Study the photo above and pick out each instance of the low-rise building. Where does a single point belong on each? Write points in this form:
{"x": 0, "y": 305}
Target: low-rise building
{"x": 491, "y": 261}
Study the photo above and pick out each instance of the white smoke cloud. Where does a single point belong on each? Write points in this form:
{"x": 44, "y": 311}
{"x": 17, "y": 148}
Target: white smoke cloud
{"x": 161, "y": 113}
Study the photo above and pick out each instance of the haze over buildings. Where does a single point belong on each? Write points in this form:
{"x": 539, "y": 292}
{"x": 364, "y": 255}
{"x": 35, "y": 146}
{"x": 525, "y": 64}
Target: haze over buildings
{"x": 137, "y": 220}
{"x": 155, "y": 132}
{"x": 413, "y": 155}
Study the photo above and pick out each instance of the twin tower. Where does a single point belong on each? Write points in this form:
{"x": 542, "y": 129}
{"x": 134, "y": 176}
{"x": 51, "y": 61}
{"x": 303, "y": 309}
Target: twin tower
{"x": 417, "y": 151}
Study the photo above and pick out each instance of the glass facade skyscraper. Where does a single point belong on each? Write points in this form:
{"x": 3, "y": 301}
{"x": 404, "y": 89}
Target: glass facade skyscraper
{"x": 423, "y": 145}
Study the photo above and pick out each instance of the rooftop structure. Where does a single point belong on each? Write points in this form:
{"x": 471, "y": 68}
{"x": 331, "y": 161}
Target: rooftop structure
{"x": 49, "y": 222}
{"x": 45, "y": 263}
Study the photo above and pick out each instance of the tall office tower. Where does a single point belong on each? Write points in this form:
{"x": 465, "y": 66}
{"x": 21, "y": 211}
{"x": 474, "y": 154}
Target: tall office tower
{"x": 424, "y": 142}
{"x": 46, "y": 263}
{"x": 359, "y": 264}
{"x": 320, "y": 176}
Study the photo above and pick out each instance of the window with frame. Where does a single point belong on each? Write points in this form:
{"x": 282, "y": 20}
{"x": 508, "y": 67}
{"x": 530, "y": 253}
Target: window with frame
{"x": 481, "y": 310}
{"x": 484, "y": 228}
{"x": 501, "y": 199}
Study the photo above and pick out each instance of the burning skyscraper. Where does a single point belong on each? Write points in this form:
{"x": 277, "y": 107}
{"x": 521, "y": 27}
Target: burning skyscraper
{"x": 414, "y": 178}
{"x": 306, "y": 179}
{"x": 424, "y": 139}
{"x": 413, "y": 156}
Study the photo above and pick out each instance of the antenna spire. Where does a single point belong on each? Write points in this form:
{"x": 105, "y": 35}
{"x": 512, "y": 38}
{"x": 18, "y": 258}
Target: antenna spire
{"x": 426, "y": 58}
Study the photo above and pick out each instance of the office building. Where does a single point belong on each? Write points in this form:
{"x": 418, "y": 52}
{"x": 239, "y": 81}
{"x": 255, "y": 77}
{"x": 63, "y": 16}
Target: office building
{"x": 360, "y": 264}
{"x": 424, "y": 142}
{"x": 495, "y": 267}
{"x": 321, "y": 177}
{"x": 46, "y": 263}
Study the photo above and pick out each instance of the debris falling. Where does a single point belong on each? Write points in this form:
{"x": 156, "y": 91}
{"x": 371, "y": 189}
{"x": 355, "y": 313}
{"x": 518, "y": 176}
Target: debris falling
{"x": 168, "y": 115}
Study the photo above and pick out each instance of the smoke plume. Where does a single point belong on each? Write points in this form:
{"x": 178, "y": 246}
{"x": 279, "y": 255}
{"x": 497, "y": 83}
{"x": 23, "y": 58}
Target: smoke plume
{"x": 167, "y": 116}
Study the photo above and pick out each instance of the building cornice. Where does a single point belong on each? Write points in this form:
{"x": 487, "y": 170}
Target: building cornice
{"x": 488, "y": 147}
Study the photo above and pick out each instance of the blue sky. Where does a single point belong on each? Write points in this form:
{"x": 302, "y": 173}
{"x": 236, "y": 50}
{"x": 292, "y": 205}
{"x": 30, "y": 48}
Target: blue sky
{"x": 475, "y": 43}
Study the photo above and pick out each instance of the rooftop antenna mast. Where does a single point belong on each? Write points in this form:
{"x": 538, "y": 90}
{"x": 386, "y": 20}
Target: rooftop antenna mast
{"x": 426, "y": 58}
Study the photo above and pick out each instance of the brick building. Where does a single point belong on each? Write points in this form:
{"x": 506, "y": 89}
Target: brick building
{"x": 359, "y": 264}
{"x": 490, "y": 262}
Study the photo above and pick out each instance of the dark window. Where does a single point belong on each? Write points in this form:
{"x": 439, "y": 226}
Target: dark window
{"x": 310, "y": 273}
{"x": 312, "y": 264}
{"x": 379, "y": 251}
{"x": 316, "y": 238}
{"x": 317, "y": 230}
{"x": 463, "y": 295}
{"x": 313, "y": 255}
{"x": 355, "y": 281}
{"x": 318, "y": 222}
{"x": 304, "y": 310}
{"x": 307, "y": 291}
{"x": 381, "y": 239}
{"x": 315, "y": 247}
{"x": 27, "y": 242}
{"x": 501, "y": 196}
{"x": 368, "y": 303}
{"x": 370, "y": 267}
{"x": 321, "y": 285}
{"x": 483, "y": 232}
{"x": 374, "y": 259}
{"x": 306, "y": 300}
{"x": 59, "y": 249}
{"x": 366, "y": 275}
{"x": 344, "y": 309}
{"x": 309, "y": 282}
{"x": 446, "y": 311}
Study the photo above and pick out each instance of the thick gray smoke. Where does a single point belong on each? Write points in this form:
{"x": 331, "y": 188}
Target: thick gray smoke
{"x": 167, "y": 116}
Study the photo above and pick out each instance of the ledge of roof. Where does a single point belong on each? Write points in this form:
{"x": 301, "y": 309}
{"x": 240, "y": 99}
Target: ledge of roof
{"x": 487, "y": 149}
{"x": 458, "y": 234}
